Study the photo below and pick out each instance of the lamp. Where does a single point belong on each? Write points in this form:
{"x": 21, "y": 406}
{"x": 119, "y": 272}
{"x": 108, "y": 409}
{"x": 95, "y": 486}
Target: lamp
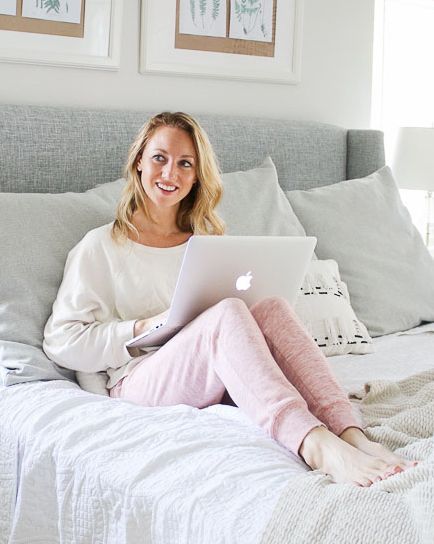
{"x": 413, "y": 164}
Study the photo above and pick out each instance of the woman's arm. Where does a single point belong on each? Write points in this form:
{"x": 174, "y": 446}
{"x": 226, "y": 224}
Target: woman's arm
{"x": 82, "y": 332}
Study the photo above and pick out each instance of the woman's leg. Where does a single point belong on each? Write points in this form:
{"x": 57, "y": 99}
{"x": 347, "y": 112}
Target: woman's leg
{"x": 223, "y": 347}
{"x": 304, "y": 364}
{"x": 308, "y": 370}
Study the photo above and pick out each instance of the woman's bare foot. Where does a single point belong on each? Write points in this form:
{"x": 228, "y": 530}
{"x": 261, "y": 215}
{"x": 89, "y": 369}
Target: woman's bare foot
{"x": 323, "y": 450}
{"x": 357, "y": 438}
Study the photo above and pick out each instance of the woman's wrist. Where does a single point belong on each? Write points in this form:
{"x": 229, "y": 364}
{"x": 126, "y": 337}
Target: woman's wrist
{"x": 140, "y": 326}
{"x": 135, "y": 333}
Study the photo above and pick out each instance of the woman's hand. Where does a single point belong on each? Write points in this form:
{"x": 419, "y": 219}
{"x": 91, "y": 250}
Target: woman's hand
{"x": 142, "y": 325}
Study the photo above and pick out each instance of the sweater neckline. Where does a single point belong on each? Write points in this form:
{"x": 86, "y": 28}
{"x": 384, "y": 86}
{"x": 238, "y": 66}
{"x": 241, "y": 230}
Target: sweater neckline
{"x": 141, "y": 248}
{"x": 151, "y": 249}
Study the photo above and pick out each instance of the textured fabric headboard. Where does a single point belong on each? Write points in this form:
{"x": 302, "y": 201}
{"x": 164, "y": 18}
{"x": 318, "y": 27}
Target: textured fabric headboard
{"x": 45, "y": 149}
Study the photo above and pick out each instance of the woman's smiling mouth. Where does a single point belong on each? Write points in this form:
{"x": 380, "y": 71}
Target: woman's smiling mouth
{"x": 167, "y": 188}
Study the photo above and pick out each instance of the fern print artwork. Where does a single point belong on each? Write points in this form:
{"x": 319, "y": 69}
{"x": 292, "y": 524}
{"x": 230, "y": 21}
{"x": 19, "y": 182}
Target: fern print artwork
{"x": 251, "y": 20}
{"x": 66, "y": 11}
{"x": 202, "y": 17}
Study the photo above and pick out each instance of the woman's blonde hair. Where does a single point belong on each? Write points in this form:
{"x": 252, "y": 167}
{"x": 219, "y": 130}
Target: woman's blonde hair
{"x": 196, "y": 212}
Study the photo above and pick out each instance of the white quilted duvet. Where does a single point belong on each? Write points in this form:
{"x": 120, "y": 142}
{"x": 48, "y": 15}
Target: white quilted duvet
{"x": 80, "y": 468}
{"x": 98, "y": 470}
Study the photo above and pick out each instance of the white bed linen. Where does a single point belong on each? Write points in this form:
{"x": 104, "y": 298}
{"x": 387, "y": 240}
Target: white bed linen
{"x": 396, "y": 357}
{"x": 91, "y": 465}
{"x": 164, "y": 474}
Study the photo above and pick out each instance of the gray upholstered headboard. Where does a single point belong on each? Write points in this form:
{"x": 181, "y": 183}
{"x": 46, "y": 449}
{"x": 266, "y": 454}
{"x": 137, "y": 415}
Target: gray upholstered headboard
{"x": 45, "y": 149}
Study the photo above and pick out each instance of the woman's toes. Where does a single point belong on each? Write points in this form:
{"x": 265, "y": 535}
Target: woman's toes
{"x": 359, "y": 440}
{"x": 395, "y": 470}
{"x": 392, "y": 471}
{"x": 365, "y": 482}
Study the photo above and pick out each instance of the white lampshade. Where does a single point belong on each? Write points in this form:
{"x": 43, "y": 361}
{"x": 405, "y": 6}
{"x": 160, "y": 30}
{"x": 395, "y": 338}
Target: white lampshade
{"x": 413, "y": 162}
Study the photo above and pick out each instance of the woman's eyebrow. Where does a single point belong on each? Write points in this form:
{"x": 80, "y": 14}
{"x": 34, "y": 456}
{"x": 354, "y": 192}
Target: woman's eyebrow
{"x": 164, "y": 151}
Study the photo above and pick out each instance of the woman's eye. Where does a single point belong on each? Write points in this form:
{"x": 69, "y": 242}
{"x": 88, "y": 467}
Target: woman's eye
{"x": 158, "y": 158}
{"x": 186, "y": 163}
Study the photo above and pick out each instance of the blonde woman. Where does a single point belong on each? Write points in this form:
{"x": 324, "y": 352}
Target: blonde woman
{"x": 120, "y": 278}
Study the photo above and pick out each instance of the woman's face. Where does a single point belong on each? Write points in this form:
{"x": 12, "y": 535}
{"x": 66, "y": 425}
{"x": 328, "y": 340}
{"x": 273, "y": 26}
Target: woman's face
{"x": 168, "y": 167}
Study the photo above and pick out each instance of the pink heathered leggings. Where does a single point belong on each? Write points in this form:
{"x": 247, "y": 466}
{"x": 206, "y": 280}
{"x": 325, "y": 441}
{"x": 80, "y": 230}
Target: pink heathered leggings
{"x": 268, "y": 363}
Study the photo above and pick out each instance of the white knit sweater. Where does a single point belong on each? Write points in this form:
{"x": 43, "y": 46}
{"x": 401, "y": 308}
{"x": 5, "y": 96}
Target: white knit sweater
{"x": 106, "y": 287}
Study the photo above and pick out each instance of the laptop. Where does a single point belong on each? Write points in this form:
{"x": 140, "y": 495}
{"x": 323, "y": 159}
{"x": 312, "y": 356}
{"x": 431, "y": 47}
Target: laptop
{"x": 217, "y": 267}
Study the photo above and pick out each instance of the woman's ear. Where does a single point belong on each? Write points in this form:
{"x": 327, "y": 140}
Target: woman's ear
{"x": 139, "y": 163}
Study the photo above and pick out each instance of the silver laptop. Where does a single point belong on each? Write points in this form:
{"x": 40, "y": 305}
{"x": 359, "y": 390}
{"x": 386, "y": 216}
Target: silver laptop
{"x": 217, "y": 267}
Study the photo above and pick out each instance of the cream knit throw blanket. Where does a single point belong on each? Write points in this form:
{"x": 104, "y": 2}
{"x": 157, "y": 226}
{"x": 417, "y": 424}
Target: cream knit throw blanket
{"x": 399, "y": 510}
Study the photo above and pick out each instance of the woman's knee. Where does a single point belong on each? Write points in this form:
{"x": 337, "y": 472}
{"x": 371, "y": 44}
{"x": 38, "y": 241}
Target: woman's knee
{"x": 267, "y": 307}
{"x": 272, "y": 304}
{"x": 274, "y": 310}
{"x": 225, "y": 314}
{"x": 231, "y": 305}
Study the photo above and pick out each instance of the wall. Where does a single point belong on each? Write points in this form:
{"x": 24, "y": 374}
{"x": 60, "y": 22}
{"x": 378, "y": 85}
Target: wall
{"x": 335, "y": 85}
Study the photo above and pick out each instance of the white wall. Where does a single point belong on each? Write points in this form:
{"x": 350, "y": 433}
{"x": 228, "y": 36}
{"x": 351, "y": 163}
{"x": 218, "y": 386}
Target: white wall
{"x": 335, "y": 82}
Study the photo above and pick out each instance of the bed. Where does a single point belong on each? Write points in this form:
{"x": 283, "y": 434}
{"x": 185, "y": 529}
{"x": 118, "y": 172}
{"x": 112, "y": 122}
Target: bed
{"x": 79, "y": 467}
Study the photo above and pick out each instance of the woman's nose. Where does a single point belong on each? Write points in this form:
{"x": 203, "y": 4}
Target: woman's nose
{"x": 169, "y": 171}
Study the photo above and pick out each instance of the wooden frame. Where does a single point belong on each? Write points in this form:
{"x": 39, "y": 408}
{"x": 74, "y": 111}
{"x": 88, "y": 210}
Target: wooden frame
{"x": 227, "y": 44}
{"x": 163, "y": 51}
{"x": 41, "y": 26}
{"x": 98, "y": 48}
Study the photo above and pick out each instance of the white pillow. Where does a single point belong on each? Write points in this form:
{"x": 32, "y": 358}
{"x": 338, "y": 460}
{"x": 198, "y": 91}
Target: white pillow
{"x": 323, "y": 305}
{"x": 254, "y": 204}
{"x": 363, "y": 225}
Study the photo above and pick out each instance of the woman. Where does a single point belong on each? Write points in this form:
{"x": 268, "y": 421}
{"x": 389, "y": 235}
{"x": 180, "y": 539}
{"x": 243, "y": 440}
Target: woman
{"x": 120, "y": 278}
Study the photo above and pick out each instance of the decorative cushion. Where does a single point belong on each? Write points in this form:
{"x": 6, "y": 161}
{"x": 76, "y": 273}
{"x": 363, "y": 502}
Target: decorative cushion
{"x": 364, "y": 226}
{"x": 36, "y": 233}
{"x": 254, "y": 204}
{"x": 323, "y": 306}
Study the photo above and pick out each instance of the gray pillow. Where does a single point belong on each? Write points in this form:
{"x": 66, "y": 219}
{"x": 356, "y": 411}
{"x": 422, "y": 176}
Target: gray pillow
{"x": 253, "y": 203}
{"x": 36, "y": 233}
{"x": 364, "y": 226}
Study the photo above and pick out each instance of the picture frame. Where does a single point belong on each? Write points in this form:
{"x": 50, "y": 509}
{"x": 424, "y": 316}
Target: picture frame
{"x": 159, "y": 54}
{"x": 99, "y": 48}
{"x": 64, "y": 18}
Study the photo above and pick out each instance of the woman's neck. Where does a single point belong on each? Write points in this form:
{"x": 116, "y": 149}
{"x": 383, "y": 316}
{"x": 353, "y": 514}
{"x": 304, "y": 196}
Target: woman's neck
{"x": 161, "y": 232}
{"x": 159, "y": 225}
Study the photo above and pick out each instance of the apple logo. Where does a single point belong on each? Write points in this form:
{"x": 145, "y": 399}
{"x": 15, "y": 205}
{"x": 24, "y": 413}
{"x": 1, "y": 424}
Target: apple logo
{"x": 243, "y": 282}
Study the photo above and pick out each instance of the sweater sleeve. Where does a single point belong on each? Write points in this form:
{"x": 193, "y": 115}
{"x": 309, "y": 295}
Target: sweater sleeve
{"x": 82, "y": 333}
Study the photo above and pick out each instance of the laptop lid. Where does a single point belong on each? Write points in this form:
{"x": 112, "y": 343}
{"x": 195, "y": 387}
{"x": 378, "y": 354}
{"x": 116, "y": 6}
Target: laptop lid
{"x": 247, "y": 267}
